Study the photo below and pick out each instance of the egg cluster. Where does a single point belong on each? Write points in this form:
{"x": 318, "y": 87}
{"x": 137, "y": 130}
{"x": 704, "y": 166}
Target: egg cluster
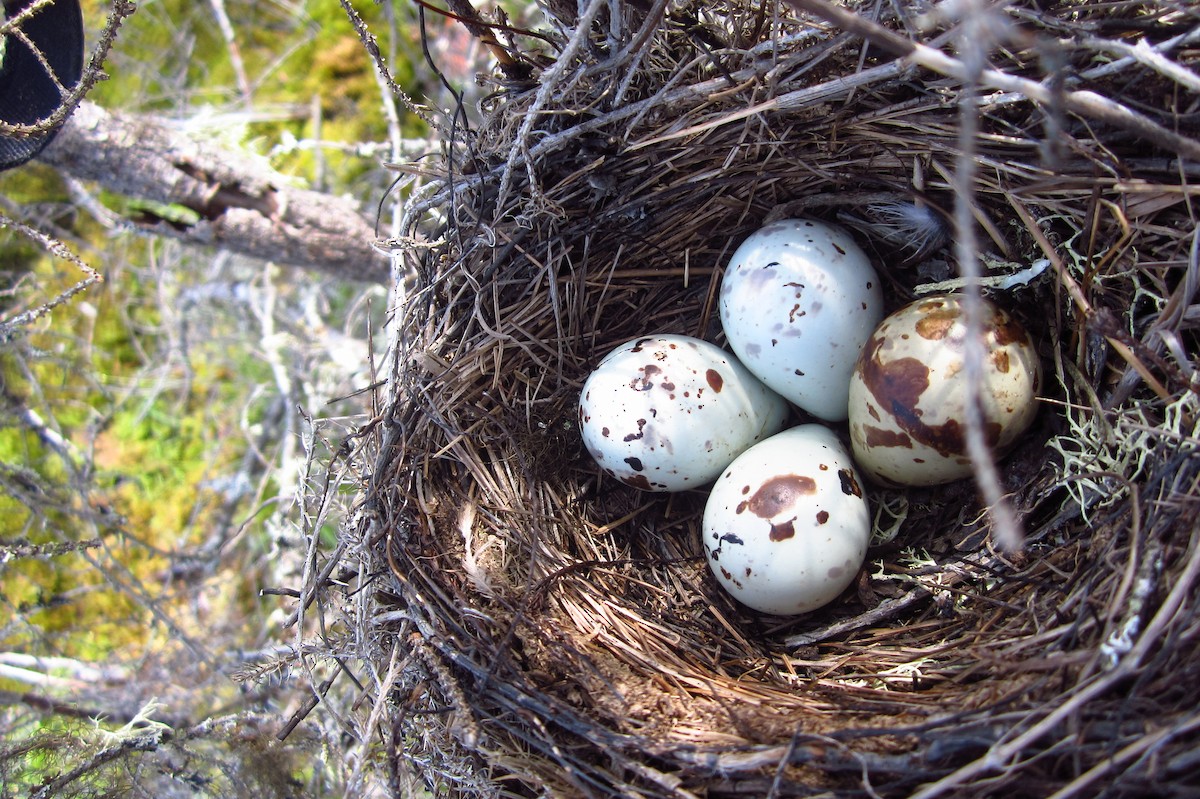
{"x": 786, "y": 525}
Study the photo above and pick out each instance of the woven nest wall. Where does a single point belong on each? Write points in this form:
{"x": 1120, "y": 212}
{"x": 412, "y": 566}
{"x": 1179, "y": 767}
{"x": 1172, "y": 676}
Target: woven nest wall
{"x": 560, "y": 634}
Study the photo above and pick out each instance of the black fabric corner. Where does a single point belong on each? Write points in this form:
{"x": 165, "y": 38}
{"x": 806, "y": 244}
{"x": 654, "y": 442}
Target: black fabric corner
{"x": 27, "y": 92}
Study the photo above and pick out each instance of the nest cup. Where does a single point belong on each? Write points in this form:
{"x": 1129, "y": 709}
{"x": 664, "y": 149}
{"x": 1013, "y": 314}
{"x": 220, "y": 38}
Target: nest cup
{"x": 562, "y": 633}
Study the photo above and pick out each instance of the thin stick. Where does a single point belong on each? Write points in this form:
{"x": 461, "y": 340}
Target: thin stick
{"x": 998, "y": 756}
{"x": 1084, "y": 103}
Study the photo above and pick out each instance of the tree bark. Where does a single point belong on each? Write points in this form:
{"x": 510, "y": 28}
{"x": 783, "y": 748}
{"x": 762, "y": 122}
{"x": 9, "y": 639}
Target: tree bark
{"x": 221, "y": 198}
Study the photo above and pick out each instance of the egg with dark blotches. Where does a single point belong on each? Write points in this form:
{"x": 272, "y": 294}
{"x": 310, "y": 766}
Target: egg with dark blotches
{"x": 786, "y": 526}
{"x": 909, "y": 392}
{"x": 669, "y": 412}
{"x": 798, "y": 300}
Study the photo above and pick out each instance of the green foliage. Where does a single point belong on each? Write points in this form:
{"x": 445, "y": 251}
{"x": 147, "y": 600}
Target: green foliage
{"x": 158, "y": 394}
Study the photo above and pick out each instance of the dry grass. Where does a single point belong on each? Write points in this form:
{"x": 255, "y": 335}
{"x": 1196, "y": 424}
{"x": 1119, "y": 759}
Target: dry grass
{"x": 530, "y": 627}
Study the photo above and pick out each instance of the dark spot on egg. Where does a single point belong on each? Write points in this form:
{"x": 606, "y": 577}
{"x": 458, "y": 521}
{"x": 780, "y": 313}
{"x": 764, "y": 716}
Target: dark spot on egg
{"x": 640, "y": 344}
{"x": 822, "y": 516}
{"x": 886, "y": 438}
{"x": 733, "y": 539}
{"x": 778, "y": 494}
{"x": 715, "y": 381}
{"x": 637, "y": 481}
{"x": 937, "y": 323}
{"x": 641, "y": 423}
{"x": 850, "y": 486}
{"x": 1007, "y": 331}
{"x": 645, "y": 382}
{"x": 635, "y": 464}
{"x": 783, "y": 530}
{"x": 1001, "y": 361}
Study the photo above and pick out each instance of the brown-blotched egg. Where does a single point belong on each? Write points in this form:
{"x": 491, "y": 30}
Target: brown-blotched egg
{"x": 798, "y": 300}
{"x": 668, "y": 413}
{"x": 908, "y": 396}
{"x": 786, "y": 526}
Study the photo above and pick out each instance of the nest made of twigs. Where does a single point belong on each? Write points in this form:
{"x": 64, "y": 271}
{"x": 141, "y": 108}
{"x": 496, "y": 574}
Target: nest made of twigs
{"x": 562, "y": 632}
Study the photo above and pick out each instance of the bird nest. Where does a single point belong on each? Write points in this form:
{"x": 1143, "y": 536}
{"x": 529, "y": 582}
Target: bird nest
{"x": 537, "y": 628}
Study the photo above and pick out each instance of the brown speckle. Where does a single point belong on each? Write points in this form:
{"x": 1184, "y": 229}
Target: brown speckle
{"x": 1007, "y": 330}
{"x": 715, "y": 381}
{"x": 637, "y": 481}
{"x": 641, "y": 423}
{"x": 937, "y": 323}
{"x": 897, "y": 386}
{"x": 783, "y": 530}
{"x": 1001, "y": 361}
{"x": 604, "y": 431}
{"x": 886, "y": 438}
{"x": 901, "y": 381}
{"x": 635, "y": 463}
{"x": 822, "y": 516}
{"x": 850, "y": 486}
{"x": 778, "y": 494}
{"x": 645, "y": 382}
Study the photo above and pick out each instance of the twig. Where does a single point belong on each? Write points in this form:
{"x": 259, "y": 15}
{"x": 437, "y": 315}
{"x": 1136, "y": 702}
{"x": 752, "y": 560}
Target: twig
{"x": 550, "y": 85}
{"x": 978, "y": 35}
{"x": 1084, "y": 103}
{"x": 999, "y": 756}
{"x": 235, "y": 52}
{"x": 120, "y": 11}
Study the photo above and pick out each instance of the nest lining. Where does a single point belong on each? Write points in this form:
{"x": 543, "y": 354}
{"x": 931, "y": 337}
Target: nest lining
{"x": 564, "y": 628}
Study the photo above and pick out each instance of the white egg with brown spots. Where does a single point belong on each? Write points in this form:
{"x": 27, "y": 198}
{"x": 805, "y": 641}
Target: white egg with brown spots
{"x": 798, "y": 300}
{"x": 668, "y": 412}
{"x": 908, "y": 396}
{"x": 786, "y": 526}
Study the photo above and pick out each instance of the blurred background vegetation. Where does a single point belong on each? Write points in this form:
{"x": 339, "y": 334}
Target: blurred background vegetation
{"x": 155, "y": 428}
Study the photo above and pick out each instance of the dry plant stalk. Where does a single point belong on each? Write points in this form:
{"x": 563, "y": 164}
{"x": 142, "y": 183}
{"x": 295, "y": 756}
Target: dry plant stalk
{"x": 560, "y": 634}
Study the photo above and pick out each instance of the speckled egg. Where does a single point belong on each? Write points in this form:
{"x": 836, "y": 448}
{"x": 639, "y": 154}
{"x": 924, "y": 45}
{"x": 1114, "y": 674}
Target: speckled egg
{"x": 908, "y": 396}
{"x": 786, "y": 526}
{"x": 668, "y": 413}
{"x": 798, "y": 300}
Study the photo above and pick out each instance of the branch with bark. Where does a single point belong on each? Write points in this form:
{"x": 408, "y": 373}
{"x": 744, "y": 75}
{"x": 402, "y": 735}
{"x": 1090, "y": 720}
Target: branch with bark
{"x": 212, "y": 196}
